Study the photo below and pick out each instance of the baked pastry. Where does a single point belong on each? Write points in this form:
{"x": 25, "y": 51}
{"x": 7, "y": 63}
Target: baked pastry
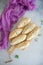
{"x": 33, "y": 33}
{"x": 18, "y": 39}
{"x": 21, "y": 45}
{"x": 28, "y": 28}
{"x": 14, "y": 33}
{"x": 23, "y": 22}
{"x": 23, "y": 34}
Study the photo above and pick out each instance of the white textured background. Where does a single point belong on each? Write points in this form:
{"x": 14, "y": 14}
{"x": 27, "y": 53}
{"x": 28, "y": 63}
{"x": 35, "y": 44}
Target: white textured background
{"x": 33, "y": 55}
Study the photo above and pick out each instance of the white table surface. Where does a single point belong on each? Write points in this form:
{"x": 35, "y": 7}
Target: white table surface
{"x": 33, "y": 55}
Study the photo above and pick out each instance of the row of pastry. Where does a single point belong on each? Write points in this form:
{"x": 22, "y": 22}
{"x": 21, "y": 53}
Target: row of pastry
{"x": 23, "y": 34}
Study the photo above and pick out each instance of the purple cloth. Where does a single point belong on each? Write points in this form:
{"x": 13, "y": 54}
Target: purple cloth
{"x": 12, "y": 12}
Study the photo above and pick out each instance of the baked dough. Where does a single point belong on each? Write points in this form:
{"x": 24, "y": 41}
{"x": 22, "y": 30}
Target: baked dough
{"x": 18, "y": 39}
{"x": 14, "y": 33}
{"x": 28, "y": 28}
{"x": 23, "y": 22}
{"x": 21, "y": 36}
{"x": 24, "y": 44}
{"x": 33, "y": 33}
{"x": 21, "y": 45}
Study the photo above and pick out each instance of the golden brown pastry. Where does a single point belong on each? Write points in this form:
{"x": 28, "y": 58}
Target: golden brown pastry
{"x": 33, "y": 33}
{"x": 21, "y": 45}
{"x": 24, "y": 44}
{"x": 11, "y": 49}
{"x": 18, "y": 39}
{"x": 14, "y": 33}
{"x": 28, "y": 28}
{"x": 23, "y": 22}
